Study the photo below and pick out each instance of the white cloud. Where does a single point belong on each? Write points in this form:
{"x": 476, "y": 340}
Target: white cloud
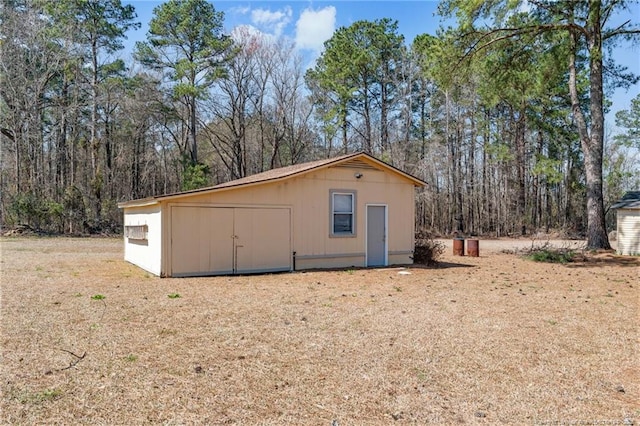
{"x": 314, "y": 27}
{"x": 240, "y": 10}
{"x": 272, "y": 21}
{"x": 264, "y": 16}
{"x": 241, "y": 32}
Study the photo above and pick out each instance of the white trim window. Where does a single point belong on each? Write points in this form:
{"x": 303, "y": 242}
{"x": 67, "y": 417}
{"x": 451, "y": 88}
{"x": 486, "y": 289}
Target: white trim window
{"x": 343, "y": 217}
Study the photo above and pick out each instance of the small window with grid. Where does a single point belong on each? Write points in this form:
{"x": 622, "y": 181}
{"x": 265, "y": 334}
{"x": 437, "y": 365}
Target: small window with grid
{"x": 136, "y": 232}
{"x": 342, "y": 213}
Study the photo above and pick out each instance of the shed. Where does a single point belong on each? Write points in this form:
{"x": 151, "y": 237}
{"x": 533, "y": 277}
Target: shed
{"x": 628, "y": 223}
{"x": 351, "y": 210}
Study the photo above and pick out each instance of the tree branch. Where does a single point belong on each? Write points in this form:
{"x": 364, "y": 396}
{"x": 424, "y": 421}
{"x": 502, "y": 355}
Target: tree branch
{"x": 73, "y": 363}
{"x": 606, "y": 13}
{"x": 547, "y": 6}
{"x": 618, "y": 31}
{"x": 8, "y": 133}
{"x": 514, "y": 32}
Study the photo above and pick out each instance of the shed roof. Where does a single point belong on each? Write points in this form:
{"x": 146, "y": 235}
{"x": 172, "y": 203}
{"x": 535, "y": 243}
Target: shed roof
{"x": 630, "y": 200}
{"x": 357, "y": 160}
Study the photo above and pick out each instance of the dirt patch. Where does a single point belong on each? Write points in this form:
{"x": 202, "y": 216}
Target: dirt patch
{"x": 88, "y": 338}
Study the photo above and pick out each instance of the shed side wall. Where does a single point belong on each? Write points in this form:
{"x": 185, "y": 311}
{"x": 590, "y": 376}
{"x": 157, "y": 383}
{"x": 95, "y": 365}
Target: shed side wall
{"x": 145, "y": 254}
{"x": 628, "y": 235}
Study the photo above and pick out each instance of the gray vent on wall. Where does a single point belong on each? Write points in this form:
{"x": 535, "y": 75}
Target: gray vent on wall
{"x": 356, "y": 164}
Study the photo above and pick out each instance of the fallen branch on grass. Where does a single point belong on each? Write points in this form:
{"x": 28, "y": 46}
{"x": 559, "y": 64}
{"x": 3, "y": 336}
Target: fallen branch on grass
{"x": 73, "y": 363}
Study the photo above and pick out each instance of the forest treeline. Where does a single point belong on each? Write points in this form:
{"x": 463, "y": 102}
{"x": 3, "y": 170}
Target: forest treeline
{"x": 500, "y": 118}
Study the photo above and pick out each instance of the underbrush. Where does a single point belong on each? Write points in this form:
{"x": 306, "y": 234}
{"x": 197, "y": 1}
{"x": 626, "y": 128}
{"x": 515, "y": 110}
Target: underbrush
{"x": 550, "y": 254}
{"x": 427, "y": 250}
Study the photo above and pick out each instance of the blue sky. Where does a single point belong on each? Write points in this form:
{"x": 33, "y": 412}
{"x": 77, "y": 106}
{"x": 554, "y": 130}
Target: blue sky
{"x": 310, "y": 23}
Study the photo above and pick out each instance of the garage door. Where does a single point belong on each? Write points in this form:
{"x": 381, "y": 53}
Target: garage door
{"x": 219, "y": 241}
{"x": 263, "y": 240}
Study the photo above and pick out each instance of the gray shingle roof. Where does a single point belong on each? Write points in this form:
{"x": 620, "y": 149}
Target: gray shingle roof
{"x": 630, "y": 200}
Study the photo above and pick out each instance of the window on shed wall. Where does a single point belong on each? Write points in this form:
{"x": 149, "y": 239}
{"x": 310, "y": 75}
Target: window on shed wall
{"x": 343, "y": 213}
{"x": 136, "y": 232}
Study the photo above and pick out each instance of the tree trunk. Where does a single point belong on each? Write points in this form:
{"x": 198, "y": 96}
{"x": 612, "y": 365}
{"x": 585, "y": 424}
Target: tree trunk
{"x": 193, "y": 145}
{"x": 344, "y": 127}
{"x": 597, "y": 237}
{"x": 384, "y": 124}
{"x": 592, "y": 145}
{"x": 368, "y": 147}
{"x": 520, "y": 137}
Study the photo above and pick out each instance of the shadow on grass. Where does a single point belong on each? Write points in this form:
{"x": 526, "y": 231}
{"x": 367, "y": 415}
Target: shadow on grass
{"x": 440, "y": 265}
{"x": 604, "y": 259}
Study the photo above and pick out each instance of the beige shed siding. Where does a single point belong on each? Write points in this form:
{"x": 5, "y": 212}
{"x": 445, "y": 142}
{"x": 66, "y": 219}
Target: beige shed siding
{"x": 628, "y": 231}
{"x": 145, "y": 254}
{"x": 330, "y": 261}
{"x": 308, "y": 198}
{"x": 214, "y": 240}
{"x": 263, "y": 239}
{"x": 201, "y": 241}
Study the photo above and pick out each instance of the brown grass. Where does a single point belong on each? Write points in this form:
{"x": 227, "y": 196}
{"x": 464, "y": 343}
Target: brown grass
{"x": 494, "y": 339}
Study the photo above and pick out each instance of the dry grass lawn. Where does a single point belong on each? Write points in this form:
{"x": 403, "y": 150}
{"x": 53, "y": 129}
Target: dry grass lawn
{"x": 494, "y": 339}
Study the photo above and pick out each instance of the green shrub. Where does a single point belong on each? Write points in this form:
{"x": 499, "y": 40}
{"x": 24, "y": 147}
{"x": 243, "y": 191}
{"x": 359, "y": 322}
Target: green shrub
{"x": 29, "y": 209}
{"x": 195, "y": 176}
{"x": 36, "y": 212}
{"x": 551, "y": 255}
